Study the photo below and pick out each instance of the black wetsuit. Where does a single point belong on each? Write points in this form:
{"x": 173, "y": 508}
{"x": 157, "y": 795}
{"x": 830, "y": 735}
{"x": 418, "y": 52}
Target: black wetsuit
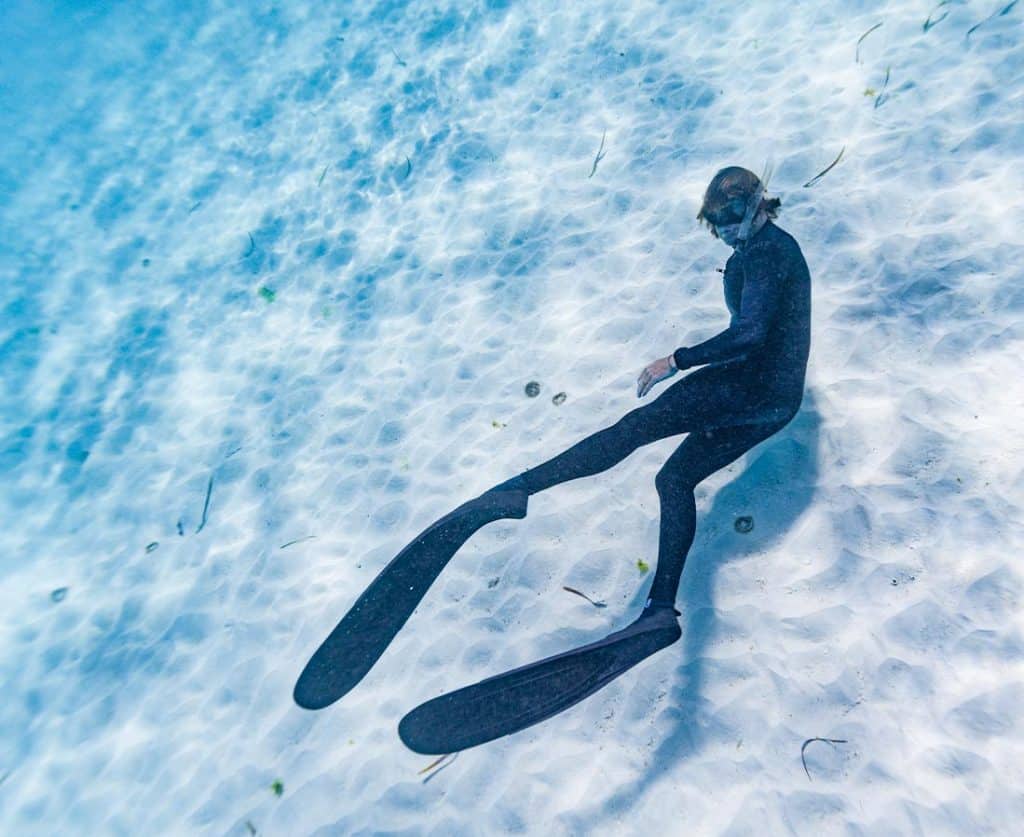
{"x": 750, "y": 388}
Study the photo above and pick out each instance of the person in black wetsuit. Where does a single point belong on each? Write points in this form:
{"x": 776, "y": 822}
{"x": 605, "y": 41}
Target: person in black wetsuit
{"x": 749, "y": 386}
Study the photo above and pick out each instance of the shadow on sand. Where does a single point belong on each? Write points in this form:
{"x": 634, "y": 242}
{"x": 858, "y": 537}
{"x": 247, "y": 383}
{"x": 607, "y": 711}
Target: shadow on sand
{"x": 775, "y": 488}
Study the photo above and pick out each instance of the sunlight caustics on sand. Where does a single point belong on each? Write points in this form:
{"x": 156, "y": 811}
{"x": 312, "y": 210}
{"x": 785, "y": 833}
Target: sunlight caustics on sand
{"x": 275, "y": 280}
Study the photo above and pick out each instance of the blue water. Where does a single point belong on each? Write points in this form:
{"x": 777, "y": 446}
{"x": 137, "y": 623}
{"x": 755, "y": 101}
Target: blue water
{"x": 273, "y": 280}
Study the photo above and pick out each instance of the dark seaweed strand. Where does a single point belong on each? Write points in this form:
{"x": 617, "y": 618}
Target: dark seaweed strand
{"x": 862, "y": 37}
{"x": 881, "y": 96}
{"x": 433, "y": 764}
{"x": 252, "y": 247}
{"x": 408, "y": 171}
{"x": 400, "y": 61}
{"x": 321, "y": 180}
{"x": 206, "y": 505}
{"x": 584, "y": 595}
{"x": 1005, "y": 11}
{"x": 808, "y": 741}
{"x": 928, "y": 24}
{"x": 825, "y": 171}
{"x": 297, "y": 540}
{"x": 442, "y": 766}
{"x": 598, "y": 158}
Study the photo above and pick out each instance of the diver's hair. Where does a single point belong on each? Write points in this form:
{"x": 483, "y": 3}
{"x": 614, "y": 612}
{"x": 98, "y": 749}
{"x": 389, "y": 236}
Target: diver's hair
{"x": 726, "y": 186}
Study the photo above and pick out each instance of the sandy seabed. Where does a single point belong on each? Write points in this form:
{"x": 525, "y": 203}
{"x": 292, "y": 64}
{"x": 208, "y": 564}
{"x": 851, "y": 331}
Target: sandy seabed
{"x": 275, "y": 280}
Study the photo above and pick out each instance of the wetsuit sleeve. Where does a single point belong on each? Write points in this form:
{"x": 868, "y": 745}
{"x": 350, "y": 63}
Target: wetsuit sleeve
{"x": 762, "y": 288}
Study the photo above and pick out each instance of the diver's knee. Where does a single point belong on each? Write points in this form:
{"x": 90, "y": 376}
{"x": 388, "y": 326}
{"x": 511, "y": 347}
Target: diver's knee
{"x": 631, "y": 420}
{"x": 640, "y": 425}
{"x": 663, "y": 482}
{"x": 672, "y": 481}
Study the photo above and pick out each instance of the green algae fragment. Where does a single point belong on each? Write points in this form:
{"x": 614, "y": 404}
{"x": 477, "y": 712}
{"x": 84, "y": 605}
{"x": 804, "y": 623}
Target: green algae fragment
{"x": 642, "y": 565}
{"x": 267, "y": 293}
{"x": 277, "y": 787}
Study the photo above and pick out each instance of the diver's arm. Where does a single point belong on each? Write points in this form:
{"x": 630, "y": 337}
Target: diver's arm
{"x": 762, "y": 288}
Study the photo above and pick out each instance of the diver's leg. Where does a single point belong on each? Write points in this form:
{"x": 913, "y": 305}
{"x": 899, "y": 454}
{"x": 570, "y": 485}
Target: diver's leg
{"x": 703, "y": 453}
{"x": 672, "y": 413}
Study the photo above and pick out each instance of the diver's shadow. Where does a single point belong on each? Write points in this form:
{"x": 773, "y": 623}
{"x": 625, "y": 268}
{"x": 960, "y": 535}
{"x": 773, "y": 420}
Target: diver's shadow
{"x": 774, "y": 489}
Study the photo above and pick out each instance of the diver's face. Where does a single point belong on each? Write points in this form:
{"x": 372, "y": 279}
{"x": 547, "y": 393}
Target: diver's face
{"x": 728, "y": 220}
{"x": 729, "y": 233}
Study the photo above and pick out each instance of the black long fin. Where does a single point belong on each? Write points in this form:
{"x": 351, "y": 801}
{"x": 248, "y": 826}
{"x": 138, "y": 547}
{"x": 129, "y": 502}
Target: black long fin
{"x": 364, "y": 633}
{"x": 525, "y": 696}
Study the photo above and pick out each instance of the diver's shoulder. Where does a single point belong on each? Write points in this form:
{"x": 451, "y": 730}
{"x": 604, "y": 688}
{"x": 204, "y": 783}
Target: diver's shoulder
{"x": 769, "y": 243}
{"x": 771, "y": 233}
{"x": 775, "y": 234}
{"x": 773, "y": 242}
{"x": 789, "y": 250}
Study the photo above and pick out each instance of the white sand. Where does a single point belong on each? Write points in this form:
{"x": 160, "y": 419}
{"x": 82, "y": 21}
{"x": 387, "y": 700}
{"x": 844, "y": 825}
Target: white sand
{"x": 877, "y": 600}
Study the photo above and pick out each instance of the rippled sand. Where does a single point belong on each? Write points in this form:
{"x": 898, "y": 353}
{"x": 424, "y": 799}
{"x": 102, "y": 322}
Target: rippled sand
{"x": 275, "y": 282}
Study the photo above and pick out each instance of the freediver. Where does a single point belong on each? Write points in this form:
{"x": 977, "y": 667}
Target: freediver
{"x": 748, "y": 387}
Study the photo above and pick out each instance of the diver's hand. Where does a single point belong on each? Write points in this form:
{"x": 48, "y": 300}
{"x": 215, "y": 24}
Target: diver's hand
{"x": 661, "y": 369}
